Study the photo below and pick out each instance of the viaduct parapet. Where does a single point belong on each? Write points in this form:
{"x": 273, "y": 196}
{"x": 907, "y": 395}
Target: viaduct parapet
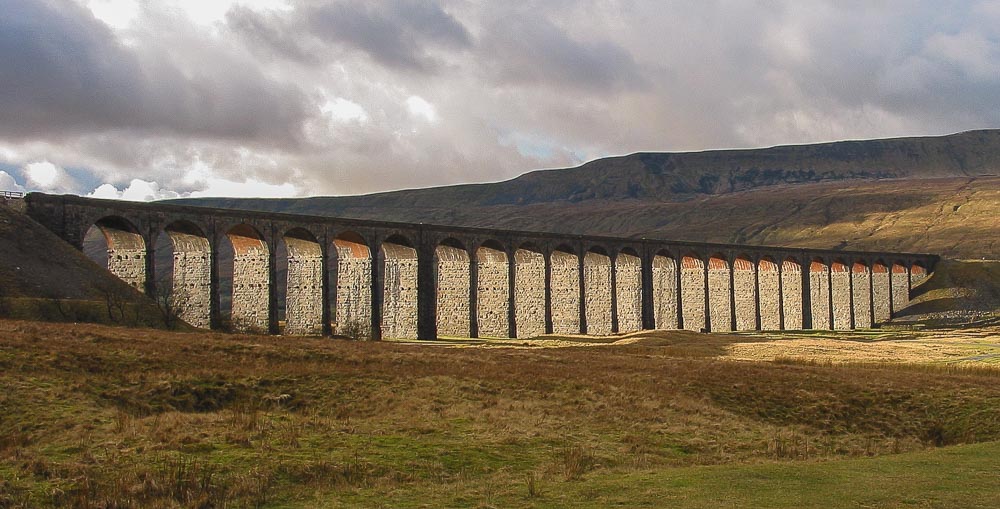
{"x": 301, "y": 274}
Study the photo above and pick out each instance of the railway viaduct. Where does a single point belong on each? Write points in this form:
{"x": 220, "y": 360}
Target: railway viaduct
{"x": 298, "y": 274}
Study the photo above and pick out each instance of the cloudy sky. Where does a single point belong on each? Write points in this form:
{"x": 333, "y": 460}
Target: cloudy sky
{"x": 145, "y": 99}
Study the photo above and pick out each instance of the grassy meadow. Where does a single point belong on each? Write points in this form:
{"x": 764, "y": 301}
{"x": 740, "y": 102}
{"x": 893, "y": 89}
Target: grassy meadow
{"x": 99, "y": 416}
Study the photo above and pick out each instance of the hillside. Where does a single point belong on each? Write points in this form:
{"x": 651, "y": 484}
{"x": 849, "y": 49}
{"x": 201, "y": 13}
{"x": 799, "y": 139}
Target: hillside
{"x": 935, "y": 194}
{"x": 44, "y": 278}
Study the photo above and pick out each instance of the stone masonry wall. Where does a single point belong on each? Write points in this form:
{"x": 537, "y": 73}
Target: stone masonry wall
{"x": 453, "y": 295}
{"x": 841, "y": 281}
{"x": 745, "y": 294}
{"x": 718, "y": 295}
{"x": 565, "y": 293}
{"x": 353, "y": 308}
{"x": 628, "y": 277}
{"x": 819, "y": 294}
{"x": 126, "y": 256}
{"x": 492, "y": 293}
{"x": 529, "y": 293}
{"x": 693, "y": 293}
{"x": 770, "y": 296}
{"x": 251, "y": 287}
{"x": 880, "y": 294}
{"x": 664, "y": 292}
{"x": 399, "y": 304}
{"x": 597, "y": 290}
{"x": 791, "y": 294}
{"x": 862, "y": 298}
{"x": 303, "y": 287}
{"x": 900, "y": 288}
{"x": 192, "y": 284}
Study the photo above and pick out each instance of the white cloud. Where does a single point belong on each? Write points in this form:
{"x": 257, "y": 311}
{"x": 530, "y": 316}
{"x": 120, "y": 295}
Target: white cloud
{"x": 419, "y": 107}
{"x": 45, "y": 176}
{"x": 137, "y": 190}
{"x": 7, "y": 183}
{"x": 342, "y": 110}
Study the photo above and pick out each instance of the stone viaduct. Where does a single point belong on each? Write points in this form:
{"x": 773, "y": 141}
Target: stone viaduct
{"x": 422, "y": 281}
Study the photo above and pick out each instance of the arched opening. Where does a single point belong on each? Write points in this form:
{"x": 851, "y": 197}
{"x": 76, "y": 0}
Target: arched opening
{"x": 880, "y": 292}
{"x": 597, "y": 289}
{"x": 399, "y": 302}
{"x": 529, "y": 298}
{"x": 819, "y": 293}
{"x": 900, "y": 282}
{"x": 245, "y": 275}
{"x": 302, "y": 290}
{"x": 744, "y": 293}
{"x": 791, "y": 293}
{"x": 565, "y": 291}
{"x": 451, "y": 272}
{"x": 665, "y": 290}
{"x": 115, "y": 244}
{"x": 693, "y": 292}
{"x": 492, "y": 291}
{"x": 628, "y": 291}
{"x": 769, "y": 283}
{"x": 353, "y": 300}
{"x": 918, "y": 274}
{"x": 183, "y": 273}
{"x": 718, "y": 294}
{"x": 861, "y": 284}
{"x": 840, "y": 281}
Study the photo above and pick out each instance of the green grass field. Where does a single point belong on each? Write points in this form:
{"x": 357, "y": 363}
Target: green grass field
{"x": 98, "y": 416}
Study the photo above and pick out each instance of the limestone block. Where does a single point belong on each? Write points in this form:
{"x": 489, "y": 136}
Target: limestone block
{"x": 628, "y": 293}
{"x": 492, "y": 293}
{"x": 529, "y": 293}
{"x": 565, "y": 292}
{"x": 597, "y": 291}
{"x": 664, "y": 292}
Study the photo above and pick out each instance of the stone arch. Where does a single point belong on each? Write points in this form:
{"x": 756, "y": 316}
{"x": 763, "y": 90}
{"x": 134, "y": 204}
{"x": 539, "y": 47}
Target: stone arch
{"x": 597, "y": 290}
{"x": 184, "y": 272}
{"x": 353, "y": 295}
{"x": 492, "y": 290}
{"x": 719, "y": 293}
{"x": 529, "y": 291}
{"x": 819, "y": 293}
{"x": 301, "y": 257}
{"x": 249, "y": 284}
{"x": 745, "y": 293}
{"x": 664, "y": 290}
{"x": 628, "y": 290}
{"x": 453, "y": 283}
{"x": 861, "y": 284}
{"x": 880, "y": 292}
{"x": 114, "y": 243}
{"x": 565, "y": 290}
{"x": 693, "y": 292}
{"x": 840, "y": 294}
{"x": 900, "y": 281}
{"x": 769, "y": 293}
{"x": 791, "y": 293}
{"x": 399, "y": 287}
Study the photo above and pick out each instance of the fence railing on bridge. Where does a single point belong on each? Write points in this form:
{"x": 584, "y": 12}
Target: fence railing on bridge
{"x": 11, "y": 194}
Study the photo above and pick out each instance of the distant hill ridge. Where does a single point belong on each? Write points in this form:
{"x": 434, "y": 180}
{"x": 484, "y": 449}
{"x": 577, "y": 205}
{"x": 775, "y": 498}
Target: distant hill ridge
{"x": 933, "y": 194}
{"x": 682, "y": 175}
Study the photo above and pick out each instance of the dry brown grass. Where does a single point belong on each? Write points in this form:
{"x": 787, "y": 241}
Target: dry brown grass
{"x": 96, "y": 416}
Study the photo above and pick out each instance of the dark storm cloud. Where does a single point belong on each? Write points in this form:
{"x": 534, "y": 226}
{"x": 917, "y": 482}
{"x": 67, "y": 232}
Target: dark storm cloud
{"x": 521, "y": 49}
{"x": 397, "y": 33}
{"x": 66, "y": 73}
